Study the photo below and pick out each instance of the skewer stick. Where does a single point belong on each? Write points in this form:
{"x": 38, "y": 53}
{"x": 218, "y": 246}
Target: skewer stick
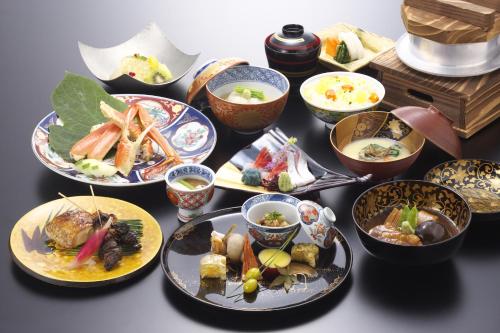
{"x": 71, "y": 201}
{"x": 95, "y": 205}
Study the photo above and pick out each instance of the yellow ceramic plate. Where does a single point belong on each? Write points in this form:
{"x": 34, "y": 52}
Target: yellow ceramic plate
{"x": 28, "y": 249}
{"x": 373, "y": 44}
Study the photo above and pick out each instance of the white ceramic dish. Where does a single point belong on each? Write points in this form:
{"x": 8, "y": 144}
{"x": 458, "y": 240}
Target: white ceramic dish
{"x": 102, "y": 62}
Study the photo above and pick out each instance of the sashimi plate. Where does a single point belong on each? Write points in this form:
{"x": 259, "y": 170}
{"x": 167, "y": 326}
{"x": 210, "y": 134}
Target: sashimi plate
{"x": 186, "y": 129}
{"x": 229, "y": 175}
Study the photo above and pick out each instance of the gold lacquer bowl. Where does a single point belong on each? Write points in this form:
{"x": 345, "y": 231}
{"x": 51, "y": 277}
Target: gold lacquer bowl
{"x": 375, "y": 124}
{"x": 477, "y": 180}
{"x": 421, "y": 194}
{"x": 28, "y": 245}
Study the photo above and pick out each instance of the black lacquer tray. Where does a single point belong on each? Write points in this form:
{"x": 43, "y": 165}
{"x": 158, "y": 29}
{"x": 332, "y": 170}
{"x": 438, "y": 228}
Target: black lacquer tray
{"x": 182, "y": 252}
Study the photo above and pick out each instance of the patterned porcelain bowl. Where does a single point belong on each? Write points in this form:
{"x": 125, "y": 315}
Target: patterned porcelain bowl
{"x": 332, "y": 115}
{"x": 376, "y": 124}
{"x": 248, "y": 118}
{"x": 190, "y": 202}
{"x": 254, "y": 209}
{"x": 380, "y": 198}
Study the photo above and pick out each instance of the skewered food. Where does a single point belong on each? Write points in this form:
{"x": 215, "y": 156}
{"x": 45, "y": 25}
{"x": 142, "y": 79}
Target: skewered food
{"x": 70, "y": 229}
{"x": 213, "y": 266}
{"x": 305, "y": 252}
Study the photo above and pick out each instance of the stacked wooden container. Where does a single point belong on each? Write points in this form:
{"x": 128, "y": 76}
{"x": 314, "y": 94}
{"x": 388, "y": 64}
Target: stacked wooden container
{"x": 470, "y": 102}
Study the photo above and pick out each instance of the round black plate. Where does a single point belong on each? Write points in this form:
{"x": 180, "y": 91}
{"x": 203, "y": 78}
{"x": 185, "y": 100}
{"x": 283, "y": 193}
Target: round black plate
{"x": 180, "y": 258}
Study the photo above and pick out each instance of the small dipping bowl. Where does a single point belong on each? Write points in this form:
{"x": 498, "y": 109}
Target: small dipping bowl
{"x": 248, "y": 118}
{"x": 423, "y": 194}
{"x": 375, "y": 124}
{"x": 257, "y": 206}
{"x": 189, "y": 202}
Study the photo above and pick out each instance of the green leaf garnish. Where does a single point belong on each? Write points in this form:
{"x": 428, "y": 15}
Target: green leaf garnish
{"x": 76, "y": 102}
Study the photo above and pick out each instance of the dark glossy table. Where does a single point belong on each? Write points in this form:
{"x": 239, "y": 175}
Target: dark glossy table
{"x": 38, "y": 43}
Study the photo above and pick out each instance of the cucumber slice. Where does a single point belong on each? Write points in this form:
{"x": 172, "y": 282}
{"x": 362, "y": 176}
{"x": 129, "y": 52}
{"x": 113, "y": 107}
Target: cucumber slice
{"x": 95, "y": 168}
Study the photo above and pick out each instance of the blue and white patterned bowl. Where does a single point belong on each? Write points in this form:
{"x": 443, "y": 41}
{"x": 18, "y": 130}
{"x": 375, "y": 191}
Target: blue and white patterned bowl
{"x": 254, "y": 209}
{"x": 248, "y": 118}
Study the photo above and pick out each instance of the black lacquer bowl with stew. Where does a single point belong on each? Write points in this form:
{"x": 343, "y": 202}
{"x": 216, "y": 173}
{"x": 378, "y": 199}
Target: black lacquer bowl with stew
{"x": 373, "y": 205}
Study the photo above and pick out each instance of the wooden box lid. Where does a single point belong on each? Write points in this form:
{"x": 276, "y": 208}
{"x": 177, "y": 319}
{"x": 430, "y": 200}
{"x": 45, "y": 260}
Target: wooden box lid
{"x": 447, "y": 29}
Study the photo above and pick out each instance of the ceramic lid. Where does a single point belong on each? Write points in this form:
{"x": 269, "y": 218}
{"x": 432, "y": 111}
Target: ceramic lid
{"x": 318, "y": 223}
{"x": 433, "y": 125}
{"x": 293, "y": 39}
{"x": 207, "y": 71}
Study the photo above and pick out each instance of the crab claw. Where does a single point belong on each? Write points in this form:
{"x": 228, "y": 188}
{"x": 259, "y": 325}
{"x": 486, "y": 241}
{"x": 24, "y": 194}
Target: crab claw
{"x": 86, "y": 144}
{"x": 127, "y": 150}
{"x": 145, "y": 119}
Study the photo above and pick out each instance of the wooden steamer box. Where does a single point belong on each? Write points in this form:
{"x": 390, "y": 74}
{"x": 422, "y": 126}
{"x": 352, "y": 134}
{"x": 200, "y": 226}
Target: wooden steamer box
{"x": 471, "y": 103}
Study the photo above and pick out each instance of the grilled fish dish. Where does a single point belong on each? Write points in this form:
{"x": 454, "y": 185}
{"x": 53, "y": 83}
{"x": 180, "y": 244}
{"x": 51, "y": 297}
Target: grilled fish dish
{"x": 70, "y": 229}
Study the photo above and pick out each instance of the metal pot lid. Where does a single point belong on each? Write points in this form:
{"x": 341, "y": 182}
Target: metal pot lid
{"x": 457, "y": 60}
{"x": 433, "y": 125}
{"x": 293, "y": 39}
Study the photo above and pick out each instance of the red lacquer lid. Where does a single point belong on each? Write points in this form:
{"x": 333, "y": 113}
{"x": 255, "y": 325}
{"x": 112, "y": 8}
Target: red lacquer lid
{"x": 433, "y": 125}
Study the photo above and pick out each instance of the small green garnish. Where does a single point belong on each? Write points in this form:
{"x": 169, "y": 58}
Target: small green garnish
{"x": 274, "y": 215}
{"x": 408, "y": 219}
{"x": 292, "y": 140}
{"x": 259, "y": 94}
{"x": 186, "y": 184}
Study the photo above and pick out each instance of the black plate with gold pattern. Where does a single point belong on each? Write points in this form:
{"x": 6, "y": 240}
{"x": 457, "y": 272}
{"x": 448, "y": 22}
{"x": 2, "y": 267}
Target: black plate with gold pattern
{"x": 181, "y": 254}
{"x": 477, "y": 180}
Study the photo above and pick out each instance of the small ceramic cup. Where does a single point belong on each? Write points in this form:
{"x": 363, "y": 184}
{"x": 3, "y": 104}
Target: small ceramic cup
{"x": 189, "y": 202}
{"x": 318, "y": 223}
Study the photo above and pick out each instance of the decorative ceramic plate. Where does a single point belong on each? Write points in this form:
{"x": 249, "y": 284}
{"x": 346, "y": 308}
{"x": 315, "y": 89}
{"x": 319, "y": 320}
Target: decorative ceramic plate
{"x": 32, "y": 254}
{"x": 477, "y": 180}
{"x": 180, "y": 260}
{"x": 373, "y": 44}
{"x": 186, "y": 129}
{"x": 229, "y": 174}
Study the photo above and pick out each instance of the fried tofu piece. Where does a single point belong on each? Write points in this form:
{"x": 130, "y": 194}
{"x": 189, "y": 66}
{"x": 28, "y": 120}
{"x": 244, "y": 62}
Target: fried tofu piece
{"x": 305, "y": 252}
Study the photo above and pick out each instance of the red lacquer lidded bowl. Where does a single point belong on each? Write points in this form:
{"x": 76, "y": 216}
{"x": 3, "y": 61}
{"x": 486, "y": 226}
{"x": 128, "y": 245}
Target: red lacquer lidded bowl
{"x": 293, "y": 51}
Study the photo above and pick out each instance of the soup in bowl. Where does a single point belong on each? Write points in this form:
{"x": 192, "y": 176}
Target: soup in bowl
{"x": 248, "y": 98}
{"x": 376, "y": 143}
